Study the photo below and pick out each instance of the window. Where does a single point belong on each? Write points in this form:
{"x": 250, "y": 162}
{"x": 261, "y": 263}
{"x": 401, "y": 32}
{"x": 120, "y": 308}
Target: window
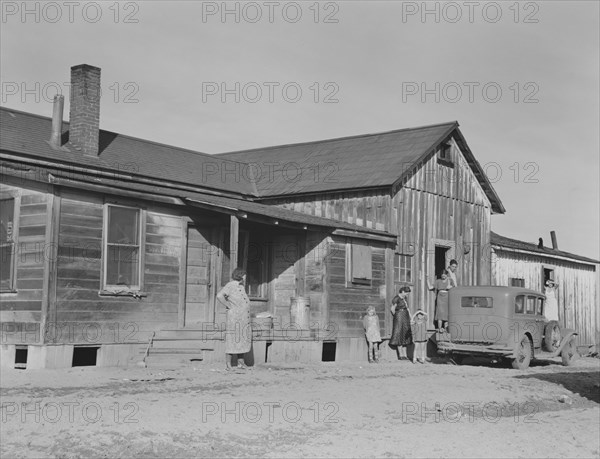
{"x": 122, "y": 252}
{"x": 403, "y": 269}
{"x": 530, "y": 309}
{"x": 517, "y": 282}
{"x": 445, "y": 151}
{"x": 520, "y": 304}
{"x": 7, "y": 244}
{"x": 359, "y": 268}
{"x": 476, "y": 302}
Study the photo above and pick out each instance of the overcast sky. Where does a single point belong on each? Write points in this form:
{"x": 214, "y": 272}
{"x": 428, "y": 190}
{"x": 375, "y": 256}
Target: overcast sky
{"x": 521, "y": 78}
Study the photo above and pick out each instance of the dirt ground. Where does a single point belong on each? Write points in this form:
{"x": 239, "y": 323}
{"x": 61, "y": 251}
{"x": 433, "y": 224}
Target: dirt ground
{"x": 390, "y": 409}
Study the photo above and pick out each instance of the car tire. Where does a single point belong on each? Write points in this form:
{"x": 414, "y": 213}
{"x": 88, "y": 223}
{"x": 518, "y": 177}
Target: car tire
{"x": 551, "y": 336}
{"x": 569, "y": 353}
{"x": 523, "y": 354}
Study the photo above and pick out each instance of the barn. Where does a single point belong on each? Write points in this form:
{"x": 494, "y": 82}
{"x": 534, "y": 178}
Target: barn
{"x": 526, "y": 264}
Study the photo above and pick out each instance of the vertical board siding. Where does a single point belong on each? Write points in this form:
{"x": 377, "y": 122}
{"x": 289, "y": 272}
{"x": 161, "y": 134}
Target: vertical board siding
{"x": 347, "y": 302}
{"x": 577, "y": 291}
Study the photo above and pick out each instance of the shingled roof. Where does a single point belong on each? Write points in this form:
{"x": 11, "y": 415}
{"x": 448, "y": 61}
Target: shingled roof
{"x": 515, "y": 244}
{"x": 28, "y": 134}
{"x": 348, "y": 163}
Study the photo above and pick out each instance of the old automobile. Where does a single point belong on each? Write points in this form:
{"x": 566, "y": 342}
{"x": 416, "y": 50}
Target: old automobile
{"x": 504, "y": 323}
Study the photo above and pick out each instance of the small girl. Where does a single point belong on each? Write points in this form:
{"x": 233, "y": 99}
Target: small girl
{"x": 371, "y": 325}
{"x": 419, "y": 332}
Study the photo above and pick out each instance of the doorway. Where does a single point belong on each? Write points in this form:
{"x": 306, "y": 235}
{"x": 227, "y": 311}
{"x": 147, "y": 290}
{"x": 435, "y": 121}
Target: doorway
{"x": 199, "y": 296}
{"x": 441, "y": 259}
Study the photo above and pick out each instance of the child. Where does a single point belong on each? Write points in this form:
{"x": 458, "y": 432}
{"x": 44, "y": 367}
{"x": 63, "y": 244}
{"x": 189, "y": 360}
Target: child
{"x": 419, "y": 331}
{"x": 371, "y": 325}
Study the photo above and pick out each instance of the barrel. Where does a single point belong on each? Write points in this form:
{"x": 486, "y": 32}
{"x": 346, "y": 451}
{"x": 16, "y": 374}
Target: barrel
{"x": 300, "y": 312}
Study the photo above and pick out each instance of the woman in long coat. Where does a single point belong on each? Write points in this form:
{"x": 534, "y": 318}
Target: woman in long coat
{"x": 401, "y": 332}
{"x": 238, "y": 334}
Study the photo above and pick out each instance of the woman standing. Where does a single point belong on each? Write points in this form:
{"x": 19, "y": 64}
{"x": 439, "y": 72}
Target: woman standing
{"x": 551, "y": 312}
{"x": 441, "y": 287}
{"x": 238, "y": 335}
{"x": 401, "y": 332}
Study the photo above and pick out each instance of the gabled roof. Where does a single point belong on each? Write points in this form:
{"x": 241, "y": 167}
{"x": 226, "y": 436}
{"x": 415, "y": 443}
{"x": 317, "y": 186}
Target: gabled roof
{"x": 505, "y": 242}
{"x": 348, "y": 163}
{"x": 27, "y": 134}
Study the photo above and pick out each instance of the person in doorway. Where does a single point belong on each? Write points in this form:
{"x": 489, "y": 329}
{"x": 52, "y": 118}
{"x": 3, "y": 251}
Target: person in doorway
{"x": 441, "y": 287}
{"x": 401, "y": 333}
{"x": 550, "y": 291}
{"x": 372, "y": 333}
{"x": 238, "y": 335}
{"x": 452, "y": 267}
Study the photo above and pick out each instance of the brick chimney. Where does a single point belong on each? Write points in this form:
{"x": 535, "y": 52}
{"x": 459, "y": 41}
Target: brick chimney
{"x": 84, "y": 122}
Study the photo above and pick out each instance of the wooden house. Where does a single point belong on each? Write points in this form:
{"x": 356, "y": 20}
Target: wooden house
{"x": 112, "y": 246}
{"x": 525, "y": 264}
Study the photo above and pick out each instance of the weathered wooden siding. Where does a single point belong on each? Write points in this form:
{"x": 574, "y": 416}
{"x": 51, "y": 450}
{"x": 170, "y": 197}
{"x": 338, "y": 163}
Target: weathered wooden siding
{"x": 442, "y": 205}
{"x": 368, "y": 208}
{"x": 577, "y": 287}
{"x": 89, "y": 315}
{"x": 348, "y": 302}
{"x": 21, "y": 312}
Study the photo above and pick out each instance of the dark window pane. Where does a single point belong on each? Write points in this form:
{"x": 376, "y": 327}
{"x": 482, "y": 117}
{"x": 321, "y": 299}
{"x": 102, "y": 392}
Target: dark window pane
{"x": 7, "y": 210}
{"x": 123, "y": 225}
{"x": 6, "y": 254}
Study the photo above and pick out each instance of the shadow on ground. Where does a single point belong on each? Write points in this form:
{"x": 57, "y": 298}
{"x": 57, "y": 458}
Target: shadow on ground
{"x": 584, "y": 383}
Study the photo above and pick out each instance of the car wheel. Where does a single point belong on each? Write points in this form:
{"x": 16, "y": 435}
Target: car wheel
{"x": 523, "y": 354}
{"x": 551, "y": 336}
{"x": 569, "y": 353}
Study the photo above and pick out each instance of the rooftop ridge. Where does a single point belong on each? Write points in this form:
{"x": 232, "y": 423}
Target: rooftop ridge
{"x": 335, "y": 139}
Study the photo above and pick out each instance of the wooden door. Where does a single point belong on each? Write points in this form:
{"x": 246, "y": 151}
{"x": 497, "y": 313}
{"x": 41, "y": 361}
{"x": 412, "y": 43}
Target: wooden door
{"x": 199, "y": 285}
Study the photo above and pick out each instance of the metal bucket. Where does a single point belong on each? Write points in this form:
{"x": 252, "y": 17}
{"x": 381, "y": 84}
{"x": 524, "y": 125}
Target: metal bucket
{"x": 300, "y": 312}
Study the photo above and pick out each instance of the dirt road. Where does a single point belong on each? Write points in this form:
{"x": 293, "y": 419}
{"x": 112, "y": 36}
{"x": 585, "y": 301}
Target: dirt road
{"x": 391, "y": 409}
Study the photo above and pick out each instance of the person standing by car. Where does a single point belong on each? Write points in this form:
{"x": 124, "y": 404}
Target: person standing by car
{"x": 238, "y": 335}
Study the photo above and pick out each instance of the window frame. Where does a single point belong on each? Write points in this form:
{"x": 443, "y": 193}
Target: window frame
{"x": 15, "y": 196}
{"x": 352, "y": 281}
{"x": 520, "y": 283}
{"x": 399, "y": 269}
{"x": 110, "y": 289}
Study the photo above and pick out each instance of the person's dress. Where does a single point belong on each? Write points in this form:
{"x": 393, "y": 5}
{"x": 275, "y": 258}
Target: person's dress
{"x": 238, "y": 332}
{"x": 441, "y": 300}
{"x": 401, "y": 332}
{"x": 371, "y": 324}
{"x": 551, "y": 312}
{"x": 419, "y": 329}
